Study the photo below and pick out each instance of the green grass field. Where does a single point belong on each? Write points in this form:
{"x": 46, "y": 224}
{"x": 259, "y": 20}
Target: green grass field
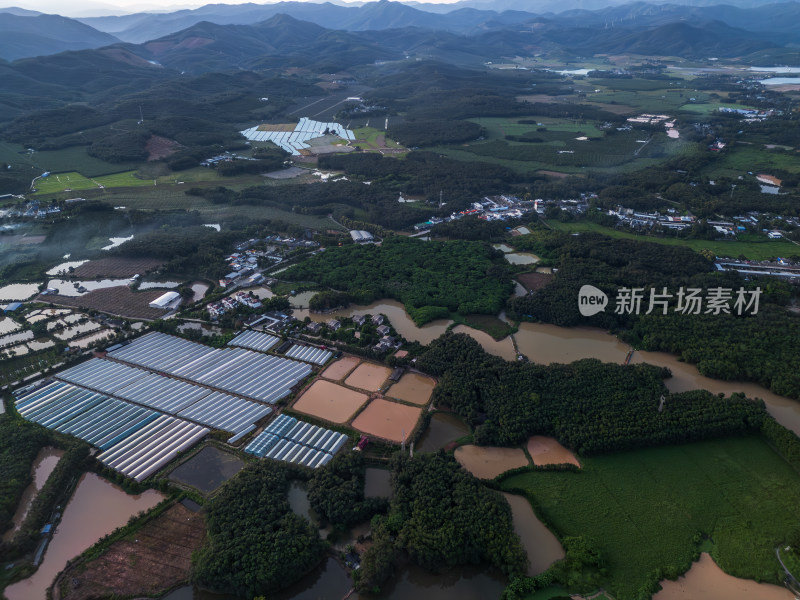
{"x": 370, "y": 136}
{"x": 74, "y": 181}
{"x": 708, "y": 108}
{"x": 60, "y": 182}
{"x": 743, "y": 158}
{"x": 761, "y": 248}
{"x": 497, "y": 128}
{"x": 644, "y": 95}
{"x": 647, "y": 511}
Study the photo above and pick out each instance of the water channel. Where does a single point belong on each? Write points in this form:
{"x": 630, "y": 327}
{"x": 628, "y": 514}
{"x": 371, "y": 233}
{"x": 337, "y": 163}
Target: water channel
{"x": 542, "y": 547}
{"x": 45, "y": 462}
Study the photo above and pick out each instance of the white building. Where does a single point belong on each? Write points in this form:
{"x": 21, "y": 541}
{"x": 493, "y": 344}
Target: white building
{"x": 166, "y": 300}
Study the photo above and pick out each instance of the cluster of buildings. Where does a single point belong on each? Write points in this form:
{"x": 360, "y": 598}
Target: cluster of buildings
{"x": 33, "y": 209}
{"x": 643, "y": 220}
{"x": 229, "y": 303}
{"x": 751, "y": 114}
{"x": 384, "y": 344}
{"x": 224, "y": 157}
{"x": 781, "y": 268}
{"x": 495, "y": 208}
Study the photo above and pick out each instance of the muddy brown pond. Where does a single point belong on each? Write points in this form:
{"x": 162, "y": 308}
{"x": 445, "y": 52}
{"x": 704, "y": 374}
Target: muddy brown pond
{"x": 97, "y": 508}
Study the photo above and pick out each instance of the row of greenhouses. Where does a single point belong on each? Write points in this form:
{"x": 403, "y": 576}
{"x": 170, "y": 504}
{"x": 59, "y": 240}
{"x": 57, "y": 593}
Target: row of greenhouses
{"x": 298, "y": 442}
{"x": 137, "y": 435}
{"x": 180, "y": 398}
{"x": 239, "y": 371}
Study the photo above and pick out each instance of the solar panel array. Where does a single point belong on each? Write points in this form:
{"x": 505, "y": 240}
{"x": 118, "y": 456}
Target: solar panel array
{"x": 254, "y": 340}
{"x": 258, "y": 376}
{"x": 138, "y": 436}
{"x": 318, "y": 356}
{"x": 173, "y": 396}
{"x": 295, "y": 141}
{"x": 294, "y": 441}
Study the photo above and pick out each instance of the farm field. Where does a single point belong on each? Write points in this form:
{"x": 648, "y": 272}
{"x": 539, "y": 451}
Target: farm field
{"x": 59, "y": 161}
{"x": 151, "y": 560}
{"x": 651, "y": 508}
{"x": 116, "y": 267}
{"x": 74, "y": 181}
{"x": 762, "y": 249}
{"x": 119, "y": 300}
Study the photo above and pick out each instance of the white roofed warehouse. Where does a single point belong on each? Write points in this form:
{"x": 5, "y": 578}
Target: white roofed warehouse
{"x": 361, "y": 237}
{"x": 167, "y": 300}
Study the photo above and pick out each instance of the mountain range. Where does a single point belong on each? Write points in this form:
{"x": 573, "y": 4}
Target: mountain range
{"x": 218, "y": 37}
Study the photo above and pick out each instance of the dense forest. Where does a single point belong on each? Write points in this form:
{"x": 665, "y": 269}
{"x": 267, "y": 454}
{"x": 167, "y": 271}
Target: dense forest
{"x": 256, "y": 544}
{"x": 429, "y": 278}
{"x": 589, "y": 406}
{"x": 441, "y": 516}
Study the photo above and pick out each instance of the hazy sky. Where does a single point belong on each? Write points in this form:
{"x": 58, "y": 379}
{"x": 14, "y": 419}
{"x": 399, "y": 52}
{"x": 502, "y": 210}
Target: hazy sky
{"x": 104, "y": 7}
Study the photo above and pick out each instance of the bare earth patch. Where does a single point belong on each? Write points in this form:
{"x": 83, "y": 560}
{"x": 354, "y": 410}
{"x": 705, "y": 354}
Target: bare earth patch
{"x": 159, "y": 147}
{"x": 534, "y": 281}
{"x": 154, "y": 559}
{"x": 557, "y": 174}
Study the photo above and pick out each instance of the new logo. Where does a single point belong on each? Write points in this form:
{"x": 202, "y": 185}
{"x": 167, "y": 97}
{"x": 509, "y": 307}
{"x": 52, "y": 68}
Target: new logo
{"x": 591, "y": 300}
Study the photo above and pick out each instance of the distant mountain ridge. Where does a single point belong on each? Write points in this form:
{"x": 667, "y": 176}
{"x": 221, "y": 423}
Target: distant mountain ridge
{"x": 22, "y": 35}
{"x": 459, "y": 18}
